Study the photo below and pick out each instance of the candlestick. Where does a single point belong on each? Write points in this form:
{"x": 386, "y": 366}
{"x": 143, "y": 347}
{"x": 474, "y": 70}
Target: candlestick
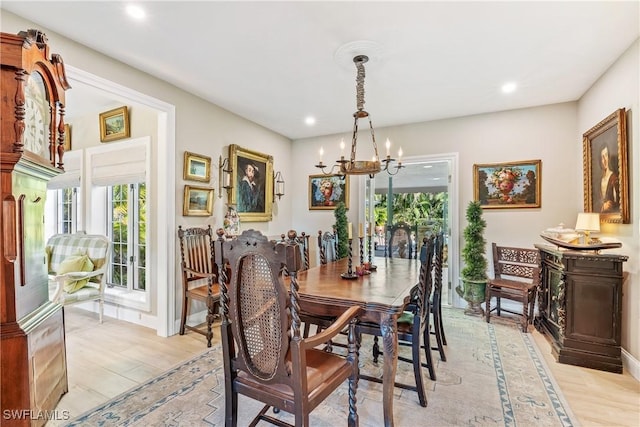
{"x": 349, "y": 275}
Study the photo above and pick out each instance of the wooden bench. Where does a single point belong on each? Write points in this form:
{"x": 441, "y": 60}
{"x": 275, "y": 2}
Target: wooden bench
{"x": 517, "y": 275}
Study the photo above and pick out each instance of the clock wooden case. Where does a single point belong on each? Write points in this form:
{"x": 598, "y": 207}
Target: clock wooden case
{"x": 33, "y": 371}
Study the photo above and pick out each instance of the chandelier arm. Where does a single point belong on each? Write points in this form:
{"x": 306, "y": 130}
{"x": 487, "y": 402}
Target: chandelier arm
{"x": 373, "y": 139}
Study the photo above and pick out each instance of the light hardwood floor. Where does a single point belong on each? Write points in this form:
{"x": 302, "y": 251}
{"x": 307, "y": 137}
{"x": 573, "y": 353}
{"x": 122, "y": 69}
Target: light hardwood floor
{"x": 106, "y": 360}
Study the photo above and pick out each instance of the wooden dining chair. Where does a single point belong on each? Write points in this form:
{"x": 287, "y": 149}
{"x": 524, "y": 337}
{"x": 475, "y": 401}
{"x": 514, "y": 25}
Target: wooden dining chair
{"x": 199, "y": 277}
{"x": 516, "y": 278}
{"x": 265, "y": 357}
{"x": 399, "y": 244}
{"x": 413, "y": 327}
{"x": 327, "y": 243}
{"x": 437, "y": 326}
{"x": 302, "y": 240}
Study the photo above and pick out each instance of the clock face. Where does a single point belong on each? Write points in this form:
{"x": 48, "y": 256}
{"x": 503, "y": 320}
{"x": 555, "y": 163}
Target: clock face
{"x": 36, "y": 119}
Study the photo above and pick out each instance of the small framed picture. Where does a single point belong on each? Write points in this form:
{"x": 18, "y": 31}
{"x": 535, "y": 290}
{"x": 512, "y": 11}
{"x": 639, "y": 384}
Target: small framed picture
{"x": 114, "y": 124}
{"x": 67, "y": 138}
{"x": 606, "y": 177}
{"x": 198, "y": 201}
{"x": 196, "y": 167}
{"x": 326, "y": 191}
{"x": 508, "y": 185}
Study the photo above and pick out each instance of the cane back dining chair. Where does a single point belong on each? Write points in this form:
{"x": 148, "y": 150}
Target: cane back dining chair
{"x": 413, "y": 327}
{"x": 517, "y": 275}
{"x": 265, "y": 357}
{"x": 327, "y": 244}
{"x": 199, "y": 277}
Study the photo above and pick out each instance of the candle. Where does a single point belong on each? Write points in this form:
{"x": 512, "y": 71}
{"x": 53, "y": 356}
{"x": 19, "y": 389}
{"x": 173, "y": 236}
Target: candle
{"x": 388, "y": 145}
{"x": 400, "y": 156}
{"x": 321, "y": 154}
{"x": 342, "y": 147}
{"x": 370, "y": 229}
{"x": 361, "y": 230}
{"x": 350, "y": 236}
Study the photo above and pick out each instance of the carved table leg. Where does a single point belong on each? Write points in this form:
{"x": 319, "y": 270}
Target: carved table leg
{"x": 389, "y": 331}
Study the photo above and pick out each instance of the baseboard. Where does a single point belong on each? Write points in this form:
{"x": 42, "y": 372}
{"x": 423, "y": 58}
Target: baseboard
{"x": 631, "y": 364}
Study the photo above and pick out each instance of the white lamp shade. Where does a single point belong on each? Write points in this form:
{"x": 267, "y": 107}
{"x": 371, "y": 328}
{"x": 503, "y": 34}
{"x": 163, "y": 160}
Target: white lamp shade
{"x": 588, "y": 222}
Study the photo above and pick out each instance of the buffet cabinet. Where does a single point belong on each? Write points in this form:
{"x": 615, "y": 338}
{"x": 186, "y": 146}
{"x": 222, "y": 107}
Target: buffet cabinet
{"x": 33, "y": 370}
{"x": 579, "y": 306}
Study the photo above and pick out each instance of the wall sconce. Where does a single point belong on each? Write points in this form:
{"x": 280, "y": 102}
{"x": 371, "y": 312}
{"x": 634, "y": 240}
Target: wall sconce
{"x": 224, "y": 176}
{"x": 278, "y": 185}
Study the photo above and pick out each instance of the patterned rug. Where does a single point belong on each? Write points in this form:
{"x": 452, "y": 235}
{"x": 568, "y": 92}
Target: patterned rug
{"x": 493, "y": 376}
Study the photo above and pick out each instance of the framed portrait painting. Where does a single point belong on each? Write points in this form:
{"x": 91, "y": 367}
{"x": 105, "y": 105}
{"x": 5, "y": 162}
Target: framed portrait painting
{"x": 252, "y": 184}
{"x": 198, "y": 201}
{"x": 196, "y": 167}
{"x": 114, "y": 124}
{"x": 508, "y": 185}
{"x": 606, "y": 175}
{"x": 326, "y": 191}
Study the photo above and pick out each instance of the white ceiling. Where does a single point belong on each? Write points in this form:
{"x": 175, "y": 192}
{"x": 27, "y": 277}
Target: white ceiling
{"x": 274, "y": 63}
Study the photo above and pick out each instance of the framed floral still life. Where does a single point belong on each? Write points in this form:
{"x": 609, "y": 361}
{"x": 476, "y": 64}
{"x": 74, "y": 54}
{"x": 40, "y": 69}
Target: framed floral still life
{"x": 114, "y": 124}
{"x": 252, "y": 184}
{"x": 196, "y": 167}
{"x": 198, "y": 201}
{"x": 507, "y": 185}
{"x": 326, "y": 191}
{"x": 606, "y": 175}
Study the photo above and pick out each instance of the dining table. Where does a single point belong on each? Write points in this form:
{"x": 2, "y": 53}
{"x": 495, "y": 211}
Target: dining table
{"x": 382, "y": 294}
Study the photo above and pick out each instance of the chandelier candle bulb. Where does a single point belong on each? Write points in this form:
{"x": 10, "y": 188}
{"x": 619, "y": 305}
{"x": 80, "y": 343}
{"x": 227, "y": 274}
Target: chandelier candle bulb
{"x": 321, "y": 154}
{"x": 388, "y": 145}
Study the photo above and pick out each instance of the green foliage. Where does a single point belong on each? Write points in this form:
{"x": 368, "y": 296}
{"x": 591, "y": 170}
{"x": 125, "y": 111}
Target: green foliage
{"x": 473, "y": 252}
{"x": 341, "y": 225}
{"x": 412, "y": 208}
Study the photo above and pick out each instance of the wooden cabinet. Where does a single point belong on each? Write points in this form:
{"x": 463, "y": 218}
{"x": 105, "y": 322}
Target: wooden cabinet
{"x": 579, "y": 306}
{"x": 33, "y": 370}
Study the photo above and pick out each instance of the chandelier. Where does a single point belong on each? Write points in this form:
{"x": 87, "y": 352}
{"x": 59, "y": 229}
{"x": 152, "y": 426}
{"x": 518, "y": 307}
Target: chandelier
{"x": 352, "y": 166}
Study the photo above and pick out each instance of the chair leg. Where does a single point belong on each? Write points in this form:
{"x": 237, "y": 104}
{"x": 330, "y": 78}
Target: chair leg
{"x": 444, "y": 337}
{"x": 183, "y": 318}
{"x": 101, "y": 309}
{"x": 487, "y": 305}
{"x": 376, "y": 349}
{"x": 427, "y": 352}
{"x": 437, "y": 327}
{"x": 417, "y": 367}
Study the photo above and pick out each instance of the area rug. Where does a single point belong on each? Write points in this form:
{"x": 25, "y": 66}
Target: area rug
{"x": 493, "y": 376}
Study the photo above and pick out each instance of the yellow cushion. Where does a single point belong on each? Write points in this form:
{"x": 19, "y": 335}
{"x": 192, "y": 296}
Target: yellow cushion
{"x": 73, "y": 264}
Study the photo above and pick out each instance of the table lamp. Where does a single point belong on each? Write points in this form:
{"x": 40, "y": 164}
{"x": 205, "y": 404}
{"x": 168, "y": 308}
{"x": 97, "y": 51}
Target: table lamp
{"x": 588, "y": 222}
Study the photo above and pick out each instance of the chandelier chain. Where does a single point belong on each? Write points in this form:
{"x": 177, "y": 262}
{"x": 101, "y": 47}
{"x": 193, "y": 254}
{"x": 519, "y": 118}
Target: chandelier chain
{"x": 360, "y": 85}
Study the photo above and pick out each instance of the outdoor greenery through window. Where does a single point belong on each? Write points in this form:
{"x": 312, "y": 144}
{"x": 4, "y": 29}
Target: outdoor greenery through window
{"x": 67, "y": 210}
{"x": 412, "y": 208}
{"x": 127, "y": 220}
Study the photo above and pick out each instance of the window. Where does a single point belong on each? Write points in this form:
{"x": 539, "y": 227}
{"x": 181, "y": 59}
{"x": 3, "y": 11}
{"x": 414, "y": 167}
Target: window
{"x": 126, "y": 228}
{"x": 63, "y": 214}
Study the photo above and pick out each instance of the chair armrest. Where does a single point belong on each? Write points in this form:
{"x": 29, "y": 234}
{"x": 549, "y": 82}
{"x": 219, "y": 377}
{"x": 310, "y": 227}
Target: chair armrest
{"x": 75, "y": 275}
{"x": 199, "y": 274}
{"x": 333, "y": 330}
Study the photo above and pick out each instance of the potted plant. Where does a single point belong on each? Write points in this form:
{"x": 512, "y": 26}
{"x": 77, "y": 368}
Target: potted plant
{"x": 474, "y": 273}
{"x": 341, "y": 229}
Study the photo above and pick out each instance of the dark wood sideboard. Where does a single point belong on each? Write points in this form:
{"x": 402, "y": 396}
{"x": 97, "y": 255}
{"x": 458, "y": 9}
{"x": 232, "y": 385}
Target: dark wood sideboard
{"x": 579, "y": 306}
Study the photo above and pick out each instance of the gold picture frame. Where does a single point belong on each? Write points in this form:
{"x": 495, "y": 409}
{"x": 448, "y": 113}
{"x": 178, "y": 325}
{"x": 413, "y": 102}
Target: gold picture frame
{"x": 508, "y": 185}
{"x": 252, "y": 184}
{"x": 604, "y": 149}
{"x": 196, "y": 167}
{"x": 67, "y": 137}
{"x": 114, "y": 124}
{"x": 198, "y": 201}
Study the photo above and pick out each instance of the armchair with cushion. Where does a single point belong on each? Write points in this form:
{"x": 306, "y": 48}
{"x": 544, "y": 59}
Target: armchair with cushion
{"x": 77, "y": 266}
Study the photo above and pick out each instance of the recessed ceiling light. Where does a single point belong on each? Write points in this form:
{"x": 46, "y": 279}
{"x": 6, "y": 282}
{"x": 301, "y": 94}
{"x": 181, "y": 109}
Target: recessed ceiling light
{"x": 509, "y": 87}
{"x": 427, "y": 166}
{"x": 136, "y": 12}
{"x": 436, "y": 179}
{"x": 310, "y": 121}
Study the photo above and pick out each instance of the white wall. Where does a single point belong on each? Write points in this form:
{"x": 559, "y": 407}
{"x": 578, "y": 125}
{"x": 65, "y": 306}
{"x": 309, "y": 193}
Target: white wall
{"x": 200, "y": 127}
{"x": 620, "y": 87}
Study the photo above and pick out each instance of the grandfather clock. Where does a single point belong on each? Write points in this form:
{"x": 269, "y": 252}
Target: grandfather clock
{"x": 33, "y": 370}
